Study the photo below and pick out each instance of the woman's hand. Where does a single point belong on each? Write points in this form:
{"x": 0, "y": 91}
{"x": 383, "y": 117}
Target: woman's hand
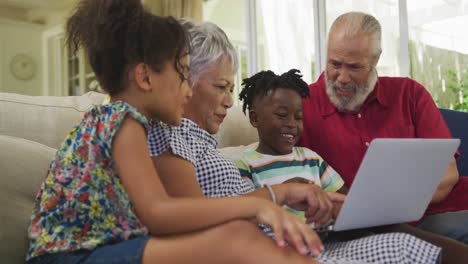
{"x": 317, "y": 203}
{"x": 289, "y": 228}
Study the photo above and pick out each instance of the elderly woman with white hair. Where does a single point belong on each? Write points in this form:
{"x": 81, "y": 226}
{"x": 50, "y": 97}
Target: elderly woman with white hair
{"x": 189, "y": 164}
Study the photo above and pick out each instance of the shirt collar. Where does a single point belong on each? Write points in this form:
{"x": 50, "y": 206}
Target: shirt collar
{"x": 328, "y": 108}
{"x": 196, "y": 131}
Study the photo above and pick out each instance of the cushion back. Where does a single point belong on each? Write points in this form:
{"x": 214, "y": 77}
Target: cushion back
{"x": 44, "y": 119}
{"x": 236, "y": 129}
{"x": 457, "y": 122}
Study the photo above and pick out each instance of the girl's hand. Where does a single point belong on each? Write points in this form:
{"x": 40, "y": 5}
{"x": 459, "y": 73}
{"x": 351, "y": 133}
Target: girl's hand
{"x": 289, "y": 228}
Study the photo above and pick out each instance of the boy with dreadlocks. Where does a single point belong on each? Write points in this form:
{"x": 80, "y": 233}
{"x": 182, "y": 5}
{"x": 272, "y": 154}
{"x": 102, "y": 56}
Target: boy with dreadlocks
{"x": 274, "y": 105}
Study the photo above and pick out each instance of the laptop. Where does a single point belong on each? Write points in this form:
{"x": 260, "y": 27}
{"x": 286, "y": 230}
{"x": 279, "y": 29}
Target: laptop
{"x": 395, "y": 182}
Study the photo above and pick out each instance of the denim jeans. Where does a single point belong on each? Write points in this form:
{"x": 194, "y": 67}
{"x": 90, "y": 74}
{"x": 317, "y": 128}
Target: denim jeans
{"x": 125, "y": 252}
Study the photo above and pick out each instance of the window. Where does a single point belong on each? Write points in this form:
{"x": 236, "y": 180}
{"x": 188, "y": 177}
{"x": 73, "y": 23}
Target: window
{"x": 439, "y": 49}
{"x": 80, "y": 77}
{"x": 285, "y": 36}
{"x": 386, "y": 11}
{"x": 284, "y": 33}
{"x": 73, "y": 63}
{"x": 231, "y": 17}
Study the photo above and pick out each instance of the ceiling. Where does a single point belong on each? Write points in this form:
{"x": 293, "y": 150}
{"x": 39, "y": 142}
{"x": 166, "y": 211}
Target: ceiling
{"x": 42, "y": 12}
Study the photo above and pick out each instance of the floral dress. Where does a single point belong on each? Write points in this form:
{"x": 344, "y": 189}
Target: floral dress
{"x": 82, "y": 203}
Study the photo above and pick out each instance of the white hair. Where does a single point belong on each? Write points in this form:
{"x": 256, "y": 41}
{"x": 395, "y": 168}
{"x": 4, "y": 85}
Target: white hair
{"x": 208, "y": 45}
{"x": 353, "y": 23}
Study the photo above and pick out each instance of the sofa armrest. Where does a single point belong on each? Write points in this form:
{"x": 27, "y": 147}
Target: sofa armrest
{"x": 24, "y": 165}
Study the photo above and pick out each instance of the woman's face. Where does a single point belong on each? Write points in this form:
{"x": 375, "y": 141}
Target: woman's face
{"x": 212, "y": 96}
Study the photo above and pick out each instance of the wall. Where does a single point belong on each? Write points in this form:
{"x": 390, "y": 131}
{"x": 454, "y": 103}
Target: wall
{"x": 13, "y": 13}
{"x": 20, "y": 38}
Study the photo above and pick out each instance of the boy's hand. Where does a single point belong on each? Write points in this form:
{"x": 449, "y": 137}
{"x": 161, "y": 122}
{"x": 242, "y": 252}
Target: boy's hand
{"x": 336, "y": 209}
{"x": 317, "y": 204}
{"x": 289, "y": 228}
{"x": 298, "y": 180}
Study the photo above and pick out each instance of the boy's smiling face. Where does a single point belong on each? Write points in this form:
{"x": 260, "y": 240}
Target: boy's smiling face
{"x": 278, "y": 119}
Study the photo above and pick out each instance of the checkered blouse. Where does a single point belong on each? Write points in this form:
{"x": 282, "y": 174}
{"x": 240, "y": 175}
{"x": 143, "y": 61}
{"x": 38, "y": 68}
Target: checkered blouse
{"x": 217, "y": 175}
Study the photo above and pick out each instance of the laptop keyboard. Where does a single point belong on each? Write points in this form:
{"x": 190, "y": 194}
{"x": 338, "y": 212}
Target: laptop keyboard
{"x": 324, "y": 229}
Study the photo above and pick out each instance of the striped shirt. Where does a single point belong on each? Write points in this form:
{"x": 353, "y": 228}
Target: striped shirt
{"x": 300, "y": 163}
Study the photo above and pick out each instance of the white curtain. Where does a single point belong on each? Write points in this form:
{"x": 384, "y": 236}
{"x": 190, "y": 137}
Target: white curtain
{"x": 289, "y": 35}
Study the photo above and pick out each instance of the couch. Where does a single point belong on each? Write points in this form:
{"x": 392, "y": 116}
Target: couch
{"x": 458, "y": 124}
{"x": 31, "y": 129}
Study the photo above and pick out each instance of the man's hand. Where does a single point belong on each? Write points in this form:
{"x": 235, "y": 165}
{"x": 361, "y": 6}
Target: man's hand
{"x": 449, "y": 180}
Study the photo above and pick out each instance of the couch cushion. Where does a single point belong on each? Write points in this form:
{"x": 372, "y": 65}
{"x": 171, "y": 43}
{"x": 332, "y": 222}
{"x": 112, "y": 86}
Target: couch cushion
{"x": 23, "y": 166}
{"x": 457, "y": 122}
{"x": 236, "y": 129}
{"x": 234, "y": 153}
{"x": 44, "y": 119}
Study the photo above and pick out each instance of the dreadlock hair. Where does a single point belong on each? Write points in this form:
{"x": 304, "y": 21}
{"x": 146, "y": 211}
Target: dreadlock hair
{"x": 119, "y": 34}
{"x": 261, "y": 83}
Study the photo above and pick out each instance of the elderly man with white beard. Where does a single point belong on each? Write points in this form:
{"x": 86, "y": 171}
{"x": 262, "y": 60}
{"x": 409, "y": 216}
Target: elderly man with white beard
{"x": 350, "y": 105}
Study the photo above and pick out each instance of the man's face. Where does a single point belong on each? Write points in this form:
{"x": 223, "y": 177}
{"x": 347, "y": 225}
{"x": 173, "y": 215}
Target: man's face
{"x": 350, "y": 72}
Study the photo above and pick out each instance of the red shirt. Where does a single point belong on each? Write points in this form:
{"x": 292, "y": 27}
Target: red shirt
{"x": 397, "y": 108}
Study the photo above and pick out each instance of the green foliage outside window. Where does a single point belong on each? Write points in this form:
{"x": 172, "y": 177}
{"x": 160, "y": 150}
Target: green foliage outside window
{"x": 437, "y": 70}
{"x": 459, "y": 88}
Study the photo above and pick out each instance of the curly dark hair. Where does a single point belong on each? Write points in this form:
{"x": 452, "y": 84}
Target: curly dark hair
{"x": 119, "y": 34}
{"x": 259, "y": 84}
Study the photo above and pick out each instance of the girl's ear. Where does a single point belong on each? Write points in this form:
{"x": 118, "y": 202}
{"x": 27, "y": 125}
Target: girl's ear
{"x": 253, "y": 118}
{"x": 141, "y": 75}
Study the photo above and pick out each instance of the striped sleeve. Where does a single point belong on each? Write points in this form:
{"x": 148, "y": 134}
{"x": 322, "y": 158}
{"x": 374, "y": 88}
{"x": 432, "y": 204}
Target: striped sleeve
{"x": 245, "y": 171}
{"x": 330, "y": 180}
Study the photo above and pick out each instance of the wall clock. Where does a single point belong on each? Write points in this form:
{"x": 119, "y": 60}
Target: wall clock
{"x": 23, "y": 67}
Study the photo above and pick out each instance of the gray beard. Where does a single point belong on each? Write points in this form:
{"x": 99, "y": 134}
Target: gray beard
{"x": 361, "y": 92}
